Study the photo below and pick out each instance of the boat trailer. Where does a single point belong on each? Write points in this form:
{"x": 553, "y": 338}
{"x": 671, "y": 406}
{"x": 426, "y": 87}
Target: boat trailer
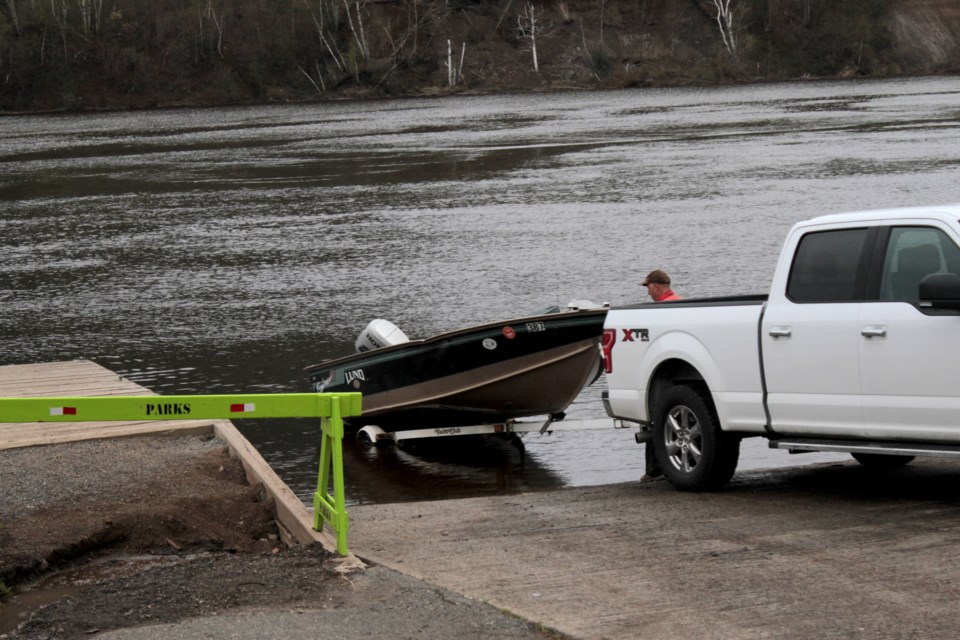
{"x": 371, "y": 435}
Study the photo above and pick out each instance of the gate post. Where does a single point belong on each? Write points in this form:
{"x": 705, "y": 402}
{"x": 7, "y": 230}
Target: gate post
{"x": 333, "y": 510}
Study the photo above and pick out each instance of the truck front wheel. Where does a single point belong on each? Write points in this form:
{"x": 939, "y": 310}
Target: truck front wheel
{"x": 695, "y": 454}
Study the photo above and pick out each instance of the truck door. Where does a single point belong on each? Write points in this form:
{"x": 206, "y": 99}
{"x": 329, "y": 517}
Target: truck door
{"x": 910, "y": 362}
{"x": 810, "y": 337}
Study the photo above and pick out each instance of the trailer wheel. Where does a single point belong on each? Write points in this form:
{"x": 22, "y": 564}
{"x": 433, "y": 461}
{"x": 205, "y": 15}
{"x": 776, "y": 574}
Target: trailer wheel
{"x": 882, "y": 462}
{"x": 695, "y": 454}
{"x": 371, "y": 436}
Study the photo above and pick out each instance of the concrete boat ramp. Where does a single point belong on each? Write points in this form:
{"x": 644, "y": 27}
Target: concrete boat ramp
{"x": 812, "y": 552}
{"x": 831, "y": 550}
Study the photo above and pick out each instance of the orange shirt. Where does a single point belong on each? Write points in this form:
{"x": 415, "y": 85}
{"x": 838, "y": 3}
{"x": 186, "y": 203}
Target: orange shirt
{"x": 668, "y": 296}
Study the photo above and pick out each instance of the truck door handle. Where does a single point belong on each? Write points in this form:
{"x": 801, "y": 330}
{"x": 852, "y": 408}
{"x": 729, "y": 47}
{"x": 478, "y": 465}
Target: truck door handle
{"x": 780, "y": 332}
{"x": 874, "y": 331}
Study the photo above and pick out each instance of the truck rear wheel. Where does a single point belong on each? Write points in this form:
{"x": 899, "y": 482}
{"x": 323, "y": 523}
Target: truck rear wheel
{"x": 881, "y": 461}
{"x": 695, "y": 454}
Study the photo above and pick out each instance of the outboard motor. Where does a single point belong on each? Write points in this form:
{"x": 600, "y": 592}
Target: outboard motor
{"x": 379, "y": 333}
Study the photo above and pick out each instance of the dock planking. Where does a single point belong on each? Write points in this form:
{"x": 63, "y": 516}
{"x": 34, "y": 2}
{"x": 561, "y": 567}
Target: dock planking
{"x": 77, "y": 378}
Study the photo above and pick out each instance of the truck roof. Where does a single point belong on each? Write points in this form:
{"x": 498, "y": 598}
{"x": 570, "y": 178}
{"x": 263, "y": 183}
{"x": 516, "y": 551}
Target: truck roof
{"x": 947, "y": 212}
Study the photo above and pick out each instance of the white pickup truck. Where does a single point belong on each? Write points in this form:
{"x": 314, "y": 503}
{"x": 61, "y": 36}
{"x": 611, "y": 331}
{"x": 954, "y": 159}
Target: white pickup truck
{"x": 855, "y": 349}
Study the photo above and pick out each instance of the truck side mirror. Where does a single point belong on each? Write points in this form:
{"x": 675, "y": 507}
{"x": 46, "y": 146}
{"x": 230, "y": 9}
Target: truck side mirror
{"x": 940, "y": 291}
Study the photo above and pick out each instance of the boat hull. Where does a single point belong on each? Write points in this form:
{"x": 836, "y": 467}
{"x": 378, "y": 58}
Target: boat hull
{"x": 528, "y": 366}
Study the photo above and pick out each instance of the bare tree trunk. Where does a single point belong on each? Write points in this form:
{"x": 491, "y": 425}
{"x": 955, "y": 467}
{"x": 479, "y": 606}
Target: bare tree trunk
{"x": 337, "y": 56}
{"x": 60, "y": 20}
{"x": 586, "y": 51}
{"x": 449, "y": 63}
{"x": 90, "y": 11}
{"x": 84, "y": 6}
{"x": 502, "y": 15}
{"x": 218, "y": 23}
{"x": 200, "y": 46}
{"x": 316, "y": 65}
{"x": 416, "y": 26}
{"x": 360, "y": 39}
{"x": 97, "y": 13}
{"x": 330, "y": 7}
{"x": 583, "y": 36}
{"x": 454, "y": 74}
{"x": 603, "y": 10}
{"x": 533, "y": 38}
{"x": 13, "y": 15}
{"x": 363, "y": 34}
{"x": 527, "y": 22}
{"x": 211, "y": 13}
{"x": 727, "y": 21}
{"x": 315, "y": 86}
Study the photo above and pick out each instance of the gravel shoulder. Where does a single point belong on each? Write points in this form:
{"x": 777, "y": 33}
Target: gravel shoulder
{"x": 163, "y": 537}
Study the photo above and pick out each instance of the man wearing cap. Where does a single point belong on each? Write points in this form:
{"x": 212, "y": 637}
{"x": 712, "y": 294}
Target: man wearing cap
{"x": 657, "y": 283}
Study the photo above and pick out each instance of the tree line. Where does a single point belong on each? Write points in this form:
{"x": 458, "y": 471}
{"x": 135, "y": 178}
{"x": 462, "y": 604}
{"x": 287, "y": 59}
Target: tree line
{"x": 87, "y": 54}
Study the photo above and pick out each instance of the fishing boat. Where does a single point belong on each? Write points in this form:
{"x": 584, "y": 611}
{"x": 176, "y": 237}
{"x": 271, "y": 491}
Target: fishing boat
{"x": 495, "y": 372}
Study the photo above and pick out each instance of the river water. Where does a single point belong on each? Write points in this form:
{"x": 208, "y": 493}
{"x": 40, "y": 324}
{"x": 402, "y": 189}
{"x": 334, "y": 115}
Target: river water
{"x": 223, "y": 250}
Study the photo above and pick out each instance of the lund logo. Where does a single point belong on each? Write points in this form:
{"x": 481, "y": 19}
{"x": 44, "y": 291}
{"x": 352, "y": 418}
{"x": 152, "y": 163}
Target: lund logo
{"x": 632, "y": 335}
{"x": 168, "y": 409}
{"x": 354, "y": 375}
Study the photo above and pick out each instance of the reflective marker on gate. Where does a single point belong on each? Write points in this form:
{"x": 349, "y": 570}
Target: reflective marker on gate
{"x": 63, "y": 411}
{"x": 243, "y": 408}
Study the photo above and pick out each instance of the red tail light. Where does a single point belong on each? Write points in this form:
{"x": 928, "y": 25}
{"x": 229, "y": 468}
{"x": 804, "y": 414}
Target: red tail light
{"x": 606, "y": 344}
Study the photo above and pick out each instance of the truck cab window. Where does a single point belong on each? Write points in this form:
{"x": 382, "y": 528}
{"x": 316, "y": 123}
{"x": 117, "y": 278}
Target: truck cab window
{"x": 913, "y": 253}
{"x": 825, "y": 266}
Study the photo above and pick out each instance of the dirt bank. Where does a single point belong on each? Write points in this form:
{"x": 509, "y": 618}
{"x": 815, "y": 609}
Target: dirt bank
{"x": 128, "y": 532}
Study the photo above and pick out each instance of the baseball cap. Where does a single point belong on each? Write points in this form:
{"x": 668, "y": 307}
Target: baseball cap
{"x": 657, "y": 276}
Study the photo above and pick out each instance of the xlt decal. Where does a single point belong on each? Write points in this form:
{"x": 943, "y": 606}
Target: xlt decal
{"x": 632, "y": 335}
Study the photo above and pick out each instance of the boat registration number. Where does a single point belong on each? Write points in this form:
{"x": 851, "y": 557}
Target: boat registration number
{"x": 533, "y": 327}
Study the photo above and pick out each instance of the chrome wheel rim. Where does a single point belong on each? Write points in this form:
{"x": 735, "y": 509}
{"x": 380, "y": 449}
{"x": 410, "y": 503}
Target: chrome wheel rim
{"x": 683, "y": 439}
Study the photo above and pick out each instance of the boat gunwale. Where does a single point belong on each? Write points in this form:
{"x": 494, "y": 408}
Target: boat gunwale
{"x": 476, "y": 331}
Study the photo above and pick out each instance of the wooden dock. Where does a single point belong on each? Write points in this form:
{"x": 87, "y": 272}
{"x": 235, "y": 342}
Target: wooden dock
{"x": 86, "y": 378}
{"x": 77, "y": 378}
